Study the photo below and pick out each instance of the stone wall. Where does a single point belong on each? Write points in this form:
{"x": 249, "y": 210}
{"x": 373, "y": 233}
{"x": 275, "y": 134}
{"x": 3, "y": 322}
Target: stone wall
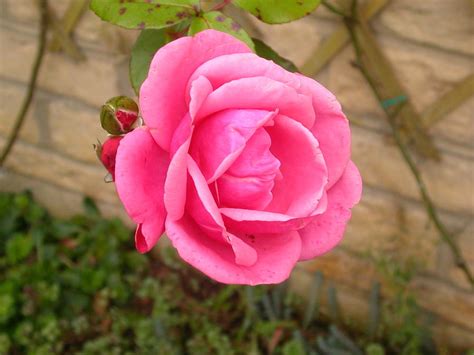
{"x": 429, "y": 43}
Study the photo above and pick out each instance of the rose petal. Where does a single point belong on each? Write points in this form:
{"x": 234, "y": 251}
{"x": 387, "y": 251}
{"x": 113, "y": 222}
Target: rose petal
{"x": 250, "y": 179}
{"x": 181, "y": 134}
{"x": 303, "y": 169}
{"x": 203, "y": 192}
{"x": 139, "y": 178}
{"x": 245, "y": 254}
{"x": 259, "y": 93}
{"x": 331, "y": 128}
{"x": 205, "y": 212}
{"x": 226, "y": 68}
{"x": 219, "y": 140}
{"x": 200, "y": 90}
{"x": 326, "y": 230}
{"x": 141, "y": 242}
{"x": 162, "y": 95}
{"x": 277, "y": 254}
{"x": 262, "y": 222}
{"x": 175, "y": 183}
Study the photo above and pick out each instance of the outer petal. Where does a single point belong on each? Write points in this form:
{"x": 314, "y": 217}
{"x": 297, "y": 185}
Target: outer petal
{"x": 259, "y": 93}
{"x": 162, "y": 95}
{"x": 175, "y": 184}
{"x": 226, "y": 68}
{"x": 200, "y": 90}
{"x": 277, "y": 254}
{"x": 176, "y": 178}
{"x": 331, "y": 128}
{"x": 326, "y": 230}
{"x": 139, "y": 178}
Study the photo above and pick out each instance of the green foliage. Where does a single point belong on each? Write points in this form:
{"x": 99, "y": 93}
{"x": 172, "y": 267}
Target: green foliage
{"x": 165, "y": 20}
{"x": 78, "y": 286}
{"x": 278, "y": 11}
{"x": 147, "y": 44}
{"x": 402, "y": 321}
{"x": 374, "y": 349}
{"x": 264, "y": 51}
{"x": 217, "y": 21}
{"x": 142, "y": 14}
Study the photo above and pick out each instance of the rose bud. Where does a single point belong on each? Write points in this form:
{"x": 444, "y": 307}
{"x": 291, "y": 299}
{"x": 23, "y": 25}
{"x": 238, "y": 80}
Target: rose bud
{"x": 118, "y": 115}
{"x": 107, "y": 153}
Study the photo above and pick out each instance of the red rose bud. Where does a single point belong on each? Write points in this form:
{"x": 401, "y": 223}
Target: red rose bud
{"x": 118, "y": 115}
{"x": 107, "y": 153}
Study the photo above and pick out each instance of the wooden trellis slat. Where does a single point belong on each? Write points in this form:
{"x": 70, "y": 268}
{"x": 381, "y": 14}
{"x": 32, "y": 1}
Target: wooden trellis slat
{"x": 337, "y": 40}
{"x": 389, "y": 90}
{"x": 69, "y": 21}
{"x": 62, "y": 36}
{"x": 449, "y": 102}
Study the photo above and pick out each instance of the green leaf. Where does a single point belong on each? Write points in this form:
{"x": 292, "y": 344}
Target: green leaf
{"x": 278, "y": 11}
{"x": 217, "y": 21}
{"x": 18, "y": 247}
{"x": 376, "y": 349}
{"x": 5, "y": 343}
{"x": 7, "y": 307}
{"x": 148, "y": 42}
{"x": 264, "y": 51}
{"x": 293, "y": 347}
{"x": 141, "y": 14}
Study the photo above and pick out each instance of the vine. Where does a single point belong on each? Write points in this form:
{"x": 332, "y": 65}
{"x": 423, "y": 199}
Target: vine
{"x": 43, "y": 7}
{"x": 351, "y": 21}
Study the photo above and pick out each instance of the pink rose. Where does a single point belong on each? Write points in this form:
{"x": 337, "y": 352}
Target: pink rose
{"x": 244, "y": 165}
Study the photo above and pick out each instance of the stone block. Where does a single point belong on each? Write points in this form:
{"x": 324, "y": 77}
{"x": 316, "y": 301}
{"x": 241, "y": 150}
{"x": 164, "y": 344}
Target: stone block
{"x": 381, "y": 164}
{"x": 414, "y": 67}
{"x": 74, "y": 128}
{"x": 92, "y": 81}
{"x": 59, "y": 201}
{"x": 102, "y": 36}
{"x": 11, "y": 98}
{"x": 47, "y": 165}
{"x": 437, "y": 23}
{"x": 457, "y": 127}
{"x": 384, "y": 223}
{"x": 464, "y": 236}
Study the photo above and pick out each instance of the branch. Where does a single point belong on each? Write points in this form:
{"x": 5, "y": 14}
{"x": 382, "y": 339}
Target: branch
{"x": 392, "y": 114}
{"x": 333, "y": 8}
{"x": 43, "y": 7}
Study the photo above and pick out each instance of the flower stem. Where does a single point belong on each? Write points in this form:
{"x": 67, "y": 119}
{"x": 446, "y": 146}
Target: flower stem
{"x": 333, "y": 8}
{"x": 43, "y": 7}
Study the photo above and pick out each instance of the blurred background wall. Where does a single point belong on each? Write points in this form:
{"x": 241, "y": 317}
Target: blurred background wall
{"x": 430, "y": 45}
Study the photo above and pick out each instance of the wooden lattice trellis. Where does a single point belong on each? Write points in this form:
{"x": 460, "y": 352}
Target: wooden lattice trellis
{"x": 64, "y": 28}
{"x": 407, "y": 125}
{"x": 414, "y": 125}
